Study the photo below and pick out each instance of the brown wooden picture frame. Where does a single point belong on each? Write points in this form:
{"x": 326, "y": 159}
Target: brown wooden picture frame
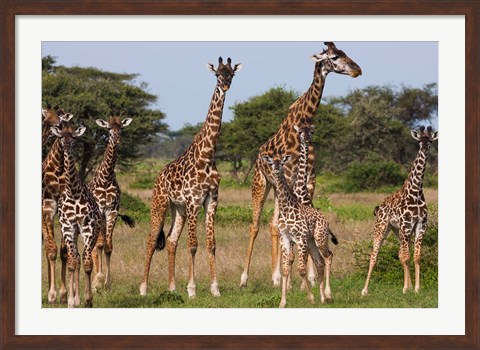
{"x": 10, "y": 8}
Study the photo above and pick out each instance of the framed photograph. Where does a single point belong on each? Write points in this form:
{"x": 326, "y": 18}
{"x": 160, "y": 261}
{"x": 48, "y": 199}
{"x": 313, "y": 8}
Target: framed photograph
{"x": 453, "y": 27}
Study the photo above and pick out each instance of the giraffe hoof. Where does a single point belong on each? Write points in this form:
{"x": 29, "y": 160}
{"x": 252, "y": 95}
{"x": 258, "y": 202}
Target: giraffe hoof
{"x": 329, "y": 300}
{"x": 52, "y": 297}
{"x": 143, "y": 289}
{"x": 71, "y": 303}
{"x": 364, "y": 292}
{"x": 214, "y": 290}
{"x": 243, "y": 280}
{"x": 88, "y": 303}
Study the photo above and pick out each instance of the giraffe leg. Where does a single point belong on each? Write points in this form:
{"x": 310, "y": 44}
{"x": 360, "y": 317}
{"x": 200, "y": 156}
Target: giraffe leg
{"x": 260, "y": 189}
{"x": 63, "y": 283}
{"x": 285, "y": 257}
{"x": 302, "y": 248}
{"x": 111, "y": 220}
{"x": 158, "y": 212}
{"x": 210, "y": 205}
{"x": 76, "y": 282}
{"x": 192, "y": 244}
{"x": 274, "y": 235}
{"x": 178, "y": 221}
{"x": 48, "y": 212}
{"x": 321, "y": 236}
{"x": 89, "y": 238}
{"x": 404, "y": 256}
{"x": 72, "y": 264}
{"x": 319, "y": 263}
{"x": 291, "y": 259}
{"x": 421, "y": 227}
{"x": 380, "y": 231}
{"x": 97, "y": 256}
{"x": 310, "y": 274}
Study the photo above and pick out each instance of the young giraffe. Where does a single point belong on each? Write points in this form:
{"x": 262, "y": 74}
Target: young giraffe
{"x": 286, "y": 141}
{"x": 300, "y": 190}
{"x": 79, "y": 214}
{"x": 305, "y": 226}
{"x": 185, "y": 185}
{"x": 52, "y": 186}
{"x": 106, "y": 191}
{"x": 405, "y": 212}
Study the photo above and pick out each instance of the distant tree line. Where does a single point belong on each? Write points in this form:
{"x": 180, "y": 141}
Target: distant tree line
{"x": 367, "y": 126}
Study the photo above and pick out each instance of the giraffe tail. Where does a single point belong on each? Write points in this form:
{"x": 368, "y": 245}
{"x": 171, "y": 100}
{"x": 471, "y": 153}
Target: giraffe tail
{"x": 128, "y": 220}
{"x": 160, "y": 240}
{"x": 334, "y": 238}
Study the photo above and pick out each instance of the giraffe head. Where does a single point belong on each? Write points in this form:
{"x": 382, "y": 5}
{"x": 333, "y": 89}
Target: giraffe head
{"x": 335, "y": 60}
{"x": 67, "y": 134}
{"x": 305, "y": 133}
{"x": 276, "y": 163}
{"x": 115, "y": 126}
{"x": 224, "y": 72}
{"x": 424, "y": 136}
{"x": 53, "y": 117}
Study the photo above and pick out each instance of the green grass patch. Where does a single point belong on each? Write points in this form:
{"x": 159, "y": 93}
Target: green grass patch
{"x": 134, "y": 207}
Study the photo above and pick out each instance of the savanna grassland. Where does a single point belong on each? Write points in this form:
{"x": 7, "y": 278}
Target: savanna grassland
{"x": 351, "y": 219}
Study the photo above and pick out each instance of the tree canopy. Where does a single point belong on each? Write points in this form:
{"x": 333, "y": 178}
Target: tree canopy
{"x": 90, "y": 94}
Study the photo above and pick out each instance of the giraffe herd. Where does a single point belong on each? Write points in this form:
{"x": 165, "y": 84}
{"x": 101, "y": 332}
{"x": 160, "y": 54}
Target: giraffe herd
{"x": 285, "y": 162}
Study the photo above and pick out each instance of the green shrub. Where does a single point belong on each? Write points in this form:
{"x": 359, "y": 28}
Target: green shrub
{"x": 371, "y": 175}
{"x": 134, "y": 207}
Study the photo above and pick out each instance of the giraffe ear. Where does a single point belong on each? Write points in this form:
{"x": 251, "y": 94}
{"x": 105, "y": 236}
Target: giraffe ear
{"x": 126, "y": 122}
{"x": 434, "y": 135}
{"x": 286, "y": 159}
{"x": 297, "y": 129}
{"x": 44, "y": 112}
{"x": 237, "y": 67}
{"x": 80, "y": 131}
{"x": 267, "y": 159}
{"x": 102, "y": 123}
{"x": 56, "y": 131}
{"x": 211, "y": 68}
{"x": 317, "y": 57}
{"x": 66, "y": 117}
{"x": 415, "y": 134}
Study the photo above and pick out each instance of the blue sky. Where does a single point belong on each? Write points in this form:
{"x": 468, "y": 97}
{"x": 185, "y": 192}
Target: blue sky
{"x": 176, "y": 71}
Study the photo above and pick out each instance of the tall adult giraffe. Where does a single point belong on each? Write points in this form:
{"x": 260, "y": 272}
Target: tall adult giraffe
{"x": 53, "y": 184}
{"x": 106, "y": 191}
{"x": 405, "y": 213}
{"x": 286, "y": 141}
{"x": 186, "y": 184}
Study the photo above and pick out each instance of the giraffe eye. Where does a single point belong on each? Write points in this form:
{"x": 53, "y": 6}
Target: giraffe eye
{"x": 334, "y": 58}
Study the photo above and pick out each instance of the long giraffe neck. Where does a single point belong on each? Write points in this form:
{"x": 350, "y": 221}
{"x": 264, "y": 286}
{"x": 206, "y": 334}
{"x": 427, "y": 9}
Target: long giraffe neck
{"x": 414, "y": 182}
{"x": 208, "y": 135}
{"x": 54, "y": 158}
{"x": 106, "y": 170}
{"x": 306, "y": 105}
{"x": 300, "y": 185}
{"x": 73, "y": 185}
{"x": 285, "y": 198}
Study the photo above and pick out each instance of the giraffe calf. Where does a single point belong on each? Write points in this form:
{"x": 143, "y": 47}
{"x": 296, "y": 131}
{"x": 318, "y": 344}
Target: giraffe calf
{"x": 305, "y": 226}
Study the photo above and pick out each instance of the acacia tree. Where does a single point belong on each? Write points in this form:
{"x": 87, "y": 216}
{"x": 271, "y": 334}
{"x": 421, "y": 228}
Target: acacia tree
{"x": 89, "y": 94}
